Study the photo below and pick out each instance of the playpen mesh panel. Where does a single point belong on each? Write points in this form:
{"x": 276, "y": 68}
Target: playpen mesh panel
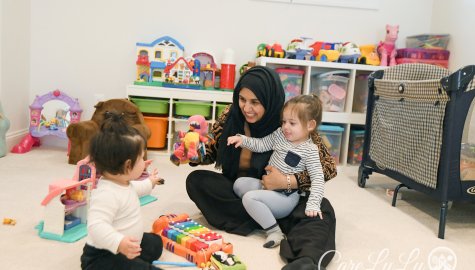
{"x": 407, "y": 122}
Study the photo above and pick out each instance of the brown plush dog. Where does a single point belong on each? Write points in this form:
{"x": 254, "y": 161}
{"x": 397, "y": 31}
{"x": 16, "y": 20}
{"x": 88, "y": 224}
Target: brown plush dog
{"x": 81, "y": 133}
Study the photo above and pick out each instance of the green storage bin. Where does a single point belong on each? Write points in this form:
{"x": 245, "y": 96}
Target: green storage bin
{"x": 150, "y": 105}
{"x": 189, "y": 108}
{"x": 220, "y": 108}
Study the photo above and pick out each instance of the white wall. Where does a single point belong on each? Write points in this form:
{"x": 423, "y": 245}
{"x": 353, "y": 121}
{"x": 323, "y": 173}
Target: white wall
{"x": 87, "y": 47}
{"x": 456, "y": 17}
{"x": 15, "y": 64}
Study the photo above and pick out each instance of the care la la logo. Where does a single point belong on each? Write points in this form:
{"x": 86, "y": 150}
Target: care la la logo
{"x": 439, "y": 258}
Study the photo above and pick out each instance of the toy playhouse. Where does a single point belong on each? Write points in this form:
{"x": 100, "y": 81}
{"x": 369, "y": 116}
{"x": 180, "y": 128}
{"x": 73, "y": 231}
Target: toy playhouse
{"x": 415, "y": 132}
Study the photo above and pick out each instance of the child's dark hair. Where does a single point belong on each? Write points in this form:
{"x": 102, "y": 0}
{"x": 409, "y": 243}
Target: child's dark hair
{"x": 115, "y": 143}
{"x": 308, "y": 107}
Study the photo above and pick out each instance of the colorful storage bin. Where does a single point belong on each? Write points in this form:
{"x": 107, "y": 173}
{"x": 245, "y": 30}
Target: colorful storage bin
{"x": 158, "y": 127}
{"x": 355, "y": 151}
{"x": 151, "y": 105}
{"x": 189, "y": 108}
{"x": 332, "y": 88}
{"x": 426, "y": 56}
{"x": 428, "y": 40}
{"x": 292, "y": 81}
{"x": 331, "y": 136}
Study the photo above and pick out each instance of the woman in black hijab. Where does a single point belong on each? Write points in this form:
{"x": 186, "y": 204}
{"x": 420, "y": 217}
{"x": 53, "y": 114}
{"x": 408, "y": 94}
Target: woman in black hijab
{"x": 258, "y": 99}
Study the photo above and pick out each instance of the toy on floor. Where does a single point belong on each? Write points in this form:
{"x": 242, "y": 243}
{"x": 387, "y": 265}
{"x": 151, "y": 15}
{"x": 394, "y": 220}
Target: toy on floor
{"x": 81, "y": 133}
{"x": 387, "y": 48}
{"x": 187, "y": 238}
{"x": 4, "y": 126}
{"x": 9, "y": 221}
{"x": 40, "y": 126}
{"x": 191, "y": 142}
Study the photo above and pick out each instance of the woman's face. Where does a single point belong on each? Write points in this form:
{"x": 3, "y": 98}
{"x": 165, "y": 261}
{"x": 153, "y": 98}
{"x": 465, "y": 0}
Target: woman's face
{"x": 250, "y": 106}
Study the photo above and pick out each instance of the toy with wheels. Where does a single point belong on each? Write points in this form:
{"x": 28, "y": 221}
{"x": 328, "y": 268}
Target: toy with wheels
{"x": 40, "y": 126}
{"x": 191, "y": 142}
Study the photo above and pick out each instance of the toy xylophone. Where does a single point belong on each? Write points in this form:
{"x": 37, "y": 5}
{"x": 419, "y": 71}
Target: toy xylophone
{"x": 189, "y": 239}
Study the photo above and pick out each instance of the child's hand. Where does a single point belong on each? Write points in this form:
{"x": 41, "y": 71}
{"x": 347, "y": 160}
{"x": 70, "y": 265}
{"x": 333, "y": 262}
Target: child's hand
{"x": 147, "y": 163}
{"x": 130, "y": 247}
{"x": 155, "y": 179}
{"x": 237, "y": 140}
{"x": 314, "y": 214}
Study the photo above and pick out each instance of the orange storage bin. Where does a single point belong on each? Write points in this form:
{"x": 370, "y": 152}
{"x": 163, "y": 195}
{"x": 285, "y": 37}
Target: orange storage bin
{"x": 158, "y": 127}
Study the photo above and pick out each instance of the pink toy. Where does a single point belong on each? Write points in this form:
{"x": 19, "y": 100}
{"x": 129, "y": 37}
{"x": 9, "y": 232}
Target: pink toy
{"x": 39, "y": 127}
{"x": 187, "y": 149}
{"x": 387, "y": 48}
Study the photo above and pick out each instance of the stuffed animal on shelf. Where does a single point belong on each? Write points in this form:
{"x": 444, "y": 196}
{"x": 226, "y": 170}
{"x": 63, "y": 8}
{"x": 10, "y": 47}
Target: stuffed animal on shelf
{"x": 387, "y": 48}
{"x": 191, "y": 141}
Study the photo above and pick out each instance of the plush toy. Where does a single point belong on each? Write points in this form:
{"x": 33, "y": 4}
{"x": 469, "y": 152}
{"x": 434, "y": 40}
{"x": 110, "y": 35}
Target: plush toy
{"x": 80, "y": 133}
{"x": 190, "y": 142}
{"x": 387, "y": 48}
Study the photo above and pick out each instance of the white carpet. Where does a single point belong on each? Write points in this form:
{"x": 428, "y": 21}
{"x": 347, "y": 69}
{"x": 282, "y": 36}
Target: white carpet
{"x": 370, "y": 233}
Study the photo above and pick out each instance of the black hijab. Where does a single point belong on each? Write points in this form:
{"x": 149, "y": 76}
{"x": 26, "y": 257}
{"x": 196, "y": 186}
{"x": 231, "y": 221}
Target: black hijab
{"x": 266, "y": 85}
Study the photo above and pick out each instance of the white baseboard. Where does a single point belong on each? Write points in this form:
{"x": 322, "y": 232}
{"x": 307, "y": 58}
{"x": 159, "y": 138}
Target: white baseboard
{"x": 15, "y": 137}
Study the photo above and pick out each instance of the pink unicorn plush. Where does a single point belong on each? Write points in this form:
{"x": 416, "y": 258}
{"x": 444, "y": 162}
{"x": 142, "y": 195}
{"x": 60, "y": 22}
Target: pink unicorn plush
{"x": 387, "y": 48}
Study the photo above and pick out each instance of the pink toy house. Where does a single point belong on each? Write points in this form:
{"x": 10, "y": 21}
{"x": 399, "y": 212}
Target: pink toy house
{"x": 208, "y": 69}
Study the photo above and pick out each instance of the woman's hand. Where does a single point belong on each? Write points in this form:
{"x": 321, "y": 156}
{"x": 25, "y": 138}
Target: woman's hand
{"x": 274, "y": 179}
{"x": 130, "y": 247}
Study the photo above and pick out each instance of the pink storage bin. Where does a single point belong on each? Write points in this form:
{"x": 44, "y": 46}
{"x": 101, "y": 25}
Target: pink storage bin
{"x": 419, "y": 53}
{"x": 292, "y": 81}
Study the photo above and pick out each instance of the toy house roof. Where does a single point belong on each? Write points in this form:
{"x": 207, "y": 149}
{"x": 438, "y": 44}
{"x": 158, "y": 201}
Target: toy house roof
{"x": 168, "y": 68}
{"x": 65, "y": 184}
{"x": 165, "y": 40}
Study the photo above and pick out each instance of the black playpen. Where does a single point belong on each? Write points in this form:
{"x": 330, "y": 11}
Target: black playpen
{"x": 416, "y": 114}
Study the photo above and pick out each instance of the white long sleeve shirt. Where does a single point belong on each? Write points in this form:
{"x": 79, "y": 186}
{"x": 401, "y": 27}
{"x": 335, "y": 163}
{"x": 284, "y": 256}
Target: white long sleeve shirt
{"x": 307, "y": 152}
{"x": 114, "y": 212}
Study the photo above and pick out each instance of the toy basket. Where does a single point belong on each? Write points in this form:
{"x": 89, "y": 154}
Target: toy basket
{"x": 414, "y": 131}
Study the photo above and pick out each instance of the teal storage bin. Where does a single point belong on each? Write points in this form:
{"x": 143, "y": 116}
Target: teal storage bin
{"x": 331, "y": 136}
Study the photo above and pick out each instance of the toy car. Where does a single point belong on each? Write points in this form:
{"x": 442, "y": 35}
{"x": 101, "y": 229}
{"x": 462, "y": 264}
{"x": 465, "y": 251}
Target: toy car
{"x": 349, "y": 53}
{"x": 369, "y": 56}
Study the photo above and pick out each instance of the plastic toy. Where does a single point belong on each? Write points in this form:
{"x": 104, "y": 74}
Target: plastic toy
{"x": 39, "y": 126}
{"x": 274, "y": 50}
{"x": 228, "y": 70}
{"x": 187, "y": 238}
{"x": 208, "y": 69}
{"x": 223, "y": 261}
{"x": 190, "y": 142}
{"x": 369, "y": 55}
{"x": 349, "y": 53}
{"x": 387, "y": 48}
{"x": 4, "y": 126}
{"x": 9, "y": 221}
{"x": 152, "y": 59}
{"x": 182, "y": 73}
{"x": 298, "y": 48}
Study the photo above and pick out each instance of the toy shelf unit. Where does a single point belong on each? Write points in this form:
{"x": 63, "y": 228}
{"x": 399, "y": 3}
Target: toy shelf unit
{"x": 343, "y": 89}
{"x": 172, "y": 106}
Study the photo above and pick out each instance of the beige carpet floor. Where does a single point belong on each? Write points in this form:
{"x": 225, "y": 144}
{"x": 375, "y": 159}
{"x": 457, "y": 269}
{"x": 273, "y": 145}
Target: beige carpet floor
{"x": 370, "y": 233}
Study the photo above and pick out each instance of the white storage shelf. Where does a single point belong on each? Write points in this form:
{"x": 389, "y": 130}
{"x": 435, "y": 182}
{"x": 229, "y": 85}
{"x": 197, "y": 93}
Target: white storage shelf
{"x": 174, "y": 94}
{"x": 346, "y": 119}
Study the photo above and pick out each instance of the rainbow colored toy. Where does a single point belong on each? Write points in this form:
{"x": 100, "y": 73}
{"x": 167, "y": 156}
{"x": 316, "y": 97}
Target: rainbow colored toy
{"x": 187, "y": 238}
